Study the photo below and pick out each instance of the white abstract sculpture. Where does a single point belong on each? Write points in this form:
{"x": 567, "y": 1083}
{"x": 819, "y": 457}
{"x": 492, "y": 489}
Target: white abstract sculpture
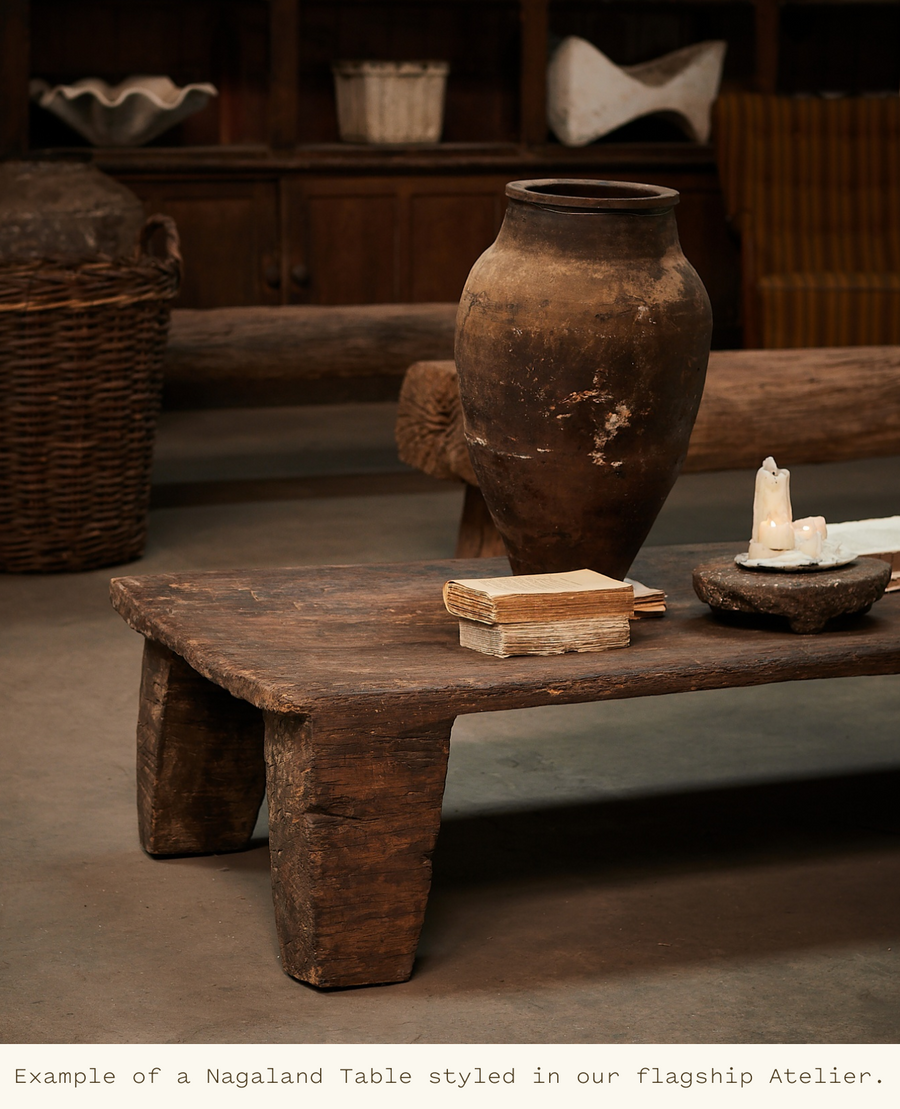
{"x": 128, "y": 114}
{"x": 588, "y": 95}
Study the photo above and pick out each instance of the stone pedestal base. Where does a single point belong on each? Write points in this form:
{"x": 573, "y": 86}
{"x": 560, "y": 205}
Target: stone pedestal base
{"x": 808, "y": 600}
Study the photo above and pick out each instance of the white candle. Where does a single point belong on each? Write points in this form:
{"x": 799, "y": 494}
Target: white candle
{"x": 809, "y": 534}
{"x": 772, "y": 513}
{"x": 777, "y": 535}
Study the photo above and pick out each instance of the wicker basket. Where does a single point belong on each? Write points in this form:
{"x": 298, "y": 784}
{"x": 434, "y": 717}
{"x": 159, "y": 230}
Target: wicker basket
{"x": 81, "y": 352}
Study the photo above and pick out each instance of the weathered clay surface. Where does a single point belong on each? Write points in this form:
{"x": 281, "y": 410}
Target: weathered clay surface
{"x": 67, "y": 210}
{"x": 808, "y": 600}
{"x": 582, "y": 342}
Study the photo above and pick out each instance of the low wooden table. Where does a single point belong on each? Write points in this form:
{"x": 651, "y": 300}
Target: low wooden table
{"x": 336, "y": 688}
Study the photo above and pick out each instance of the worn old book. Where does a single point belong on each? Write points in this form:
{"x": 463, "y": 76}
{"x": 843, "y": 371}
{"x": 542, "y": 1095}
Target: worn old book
{"x": 600, "y": 633}
{"x": 576, "y": 594}
{"x": 647, "y": 601}
{"x": 878, "y": 538}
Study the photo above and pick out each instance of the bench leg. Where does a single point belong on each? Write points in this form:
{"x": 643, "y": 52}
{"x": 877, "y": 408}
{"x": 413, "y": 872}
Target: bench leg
{"x": 478, "y": 536}
{"x": 354, "y": 814}
{"x": 200, "y": 765}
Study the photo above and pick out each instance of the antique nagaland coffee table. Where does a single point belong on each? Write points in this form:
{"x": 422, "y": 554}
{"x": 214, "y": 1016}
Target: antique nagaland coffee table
{"x": 335, "y": 690}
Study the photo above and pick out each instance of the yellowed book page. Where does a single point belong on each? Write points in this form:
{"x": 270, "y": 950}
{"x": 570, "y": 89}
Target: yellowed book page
{"x": 572, "y": 581}
{"x": 534, "y": 596}
{"x": 647, "y": 601}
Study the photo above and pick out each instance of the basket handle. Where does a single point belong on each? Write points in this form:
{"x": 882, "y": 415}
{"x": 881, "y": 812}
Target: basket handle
{"x": 172, "y": 243}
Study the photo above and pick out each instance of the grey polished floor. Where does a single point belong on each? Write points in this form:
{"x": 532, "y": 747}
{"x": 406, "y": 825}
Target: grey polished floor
{"x": 703, "y": 868}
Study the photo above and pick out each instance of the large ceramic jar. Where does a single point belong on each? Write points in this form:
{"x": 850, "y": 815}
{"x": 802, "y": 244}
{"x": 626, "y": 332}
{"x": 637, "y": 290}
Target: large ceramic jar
{"x": 582, "y": 341}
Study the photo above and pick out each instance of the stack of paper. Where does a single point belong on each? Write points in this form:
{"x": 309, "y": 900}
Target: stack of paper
{"x": 879, "y": 538}
{"x": 543, "y": 614}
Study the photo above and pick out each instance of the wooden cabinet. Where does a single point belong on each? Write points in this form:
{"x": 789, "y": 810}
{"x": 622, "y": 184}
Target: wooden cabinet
{"x": 273, "y": 208}
{"x": 361, "y": 240}
{"x": 229, "y": 238}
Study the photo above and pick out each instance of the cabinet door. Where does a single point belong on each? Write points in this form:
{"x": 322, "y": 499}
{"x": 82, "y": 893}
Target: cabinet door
{"x": 341, "y": 241}
{"x": 449, "y": 228}
{"x": 229, "y": 239}
{"x": 387, "y": 239}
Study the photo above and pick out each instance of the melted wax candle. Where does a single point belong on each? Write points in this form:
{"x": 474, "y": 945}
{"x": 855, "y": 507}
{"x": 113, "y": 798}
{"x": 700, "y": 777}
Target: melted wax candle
{"x": 773, "y": 531}
{"x": 809, "y": 534}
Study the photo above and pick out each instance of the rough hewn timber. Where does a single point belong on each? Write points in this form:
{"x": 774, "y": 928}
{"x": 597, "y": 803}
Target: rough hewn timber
{"x": 301, "y": 354}
{"x": 200, "y": 769}
{"x": 354, "y": 814}
{"x": 826, "y": 405}
{"x": 823, "y": 405}
{"x": 429, "y": 429}
{"x": 306, "y": 639}
{"x": 477, "y": 536}
{"x": 360, "y": 673}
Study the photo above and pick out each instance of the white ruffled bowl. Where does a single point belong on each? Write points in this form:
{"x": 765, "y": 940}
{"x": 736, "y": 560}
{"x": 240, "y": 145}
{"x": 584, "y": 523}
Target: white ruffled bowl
{"x": 129, "y": 114}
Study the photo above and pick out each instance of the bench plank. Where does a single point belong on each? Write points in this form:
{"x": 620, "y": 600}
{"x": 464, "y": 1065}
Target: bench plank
{"x": 299, "y": 354}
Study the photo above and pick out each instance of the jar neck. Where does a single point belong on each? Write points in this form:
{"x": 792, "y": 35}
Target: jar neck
{"x": 590, "y": 230}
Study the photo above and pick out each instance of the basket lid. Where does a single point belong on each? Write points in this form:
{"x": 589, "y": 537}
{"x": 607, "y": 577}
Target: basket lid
{"x": 66, "y": 210}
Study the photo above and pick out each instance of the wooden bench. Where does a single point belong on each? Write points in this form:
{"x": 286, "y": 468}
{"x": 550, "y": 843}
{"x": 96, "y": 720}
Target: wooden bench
{"x": 335, "y": 689}
{"x": 825, "y": 405}
{"x": 304, "y": 354}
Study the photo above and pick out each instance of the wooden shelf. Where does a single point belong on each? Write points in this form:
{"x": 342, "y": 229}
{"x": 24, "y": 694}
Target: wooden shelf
{"x": 280, "y": 95}
{"x": 262, "y": 190}
{"x": 359, "y": 159}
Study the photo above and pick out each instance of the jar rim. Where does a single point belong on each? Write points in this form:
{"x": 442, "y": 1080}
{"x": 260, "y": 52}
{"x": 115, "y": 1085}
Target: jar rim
{"x": 590, "y": 194}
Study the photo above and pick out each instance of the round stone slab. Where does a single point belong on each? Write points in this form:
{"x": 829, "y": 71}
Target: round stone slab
{"x": 807, "y": 600}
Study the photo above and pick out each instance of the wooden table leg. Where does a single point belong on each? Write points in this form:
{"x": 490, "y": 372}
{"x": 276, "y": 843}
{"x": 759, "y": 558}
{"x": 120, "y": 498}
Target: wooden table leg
{"x": 354, "y": 814}
{"x": 200, "y": 764}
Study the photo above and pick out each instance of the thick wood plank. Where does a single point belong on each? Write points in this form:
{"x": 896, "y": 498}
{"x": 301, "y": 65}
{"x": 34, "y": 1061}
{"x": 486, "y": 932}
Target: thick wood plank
{"x": 478, "y": 536}
{"x": 358, "y": 720}
{"x": 200, "y": 770}
{"x": 284, "y": 55}
{"x": 15, "y": 57}
{"x": 303, "y": 354}
{"x": 305, "y": 640}
{"x": 819, "y": 405}
{"x": 826, "y": 405}
{"x": 533, "y": 72}
{"x": 354, "y": 814}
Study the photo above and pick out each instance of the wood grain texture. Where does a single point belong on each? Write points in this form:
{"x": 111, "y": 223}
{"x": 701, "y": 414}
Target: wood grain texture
{"x": 819, "y": 405}
{"x": 14, "y": 67}
{"x": 200, "y": 769}
{"x": 354, "y": 813}
{"x": 360, "y": 674}
{"x": 477, "y": 536}
{"x": 284, "y": 58}
{"x": 429, "y": 430}
{"x": 823, "y": 405}
{"x": 248, "y": 356}
{"x": 533, "y": 73}
{"x": 309, "y": 639}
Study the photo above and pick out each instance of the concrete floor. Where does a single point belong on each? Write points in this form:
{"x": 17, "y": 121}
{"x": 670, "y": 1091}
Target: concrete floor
{"x": 703, "y": 868}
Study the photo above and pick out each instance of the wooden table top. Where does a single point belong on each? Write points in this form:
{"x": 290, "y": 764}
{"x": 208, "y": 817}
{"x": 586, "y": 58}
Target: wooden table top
{"x": 298, "y": 640}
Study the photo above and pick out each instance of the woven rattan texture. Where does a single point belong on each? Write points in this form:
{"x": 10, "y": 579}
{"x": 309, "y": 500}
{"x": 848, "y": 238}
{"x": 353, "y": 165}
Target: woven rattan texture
{"x": 81, "y": 351}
